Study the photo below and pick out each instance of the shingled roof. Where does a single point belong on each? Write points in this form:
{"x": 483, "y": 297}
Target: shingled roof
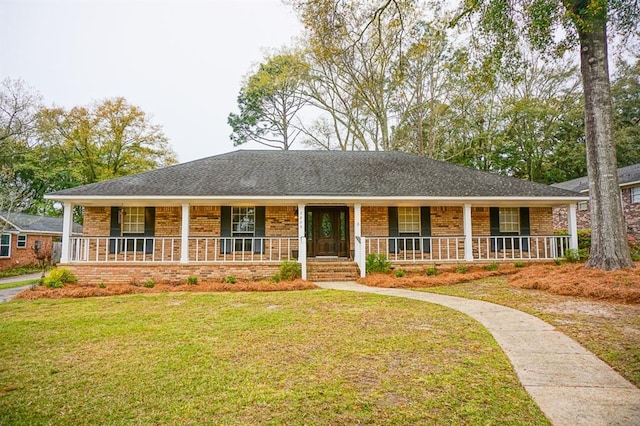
{"x": 626, "y": 175}
{"x": 22, "y": 222}
{"x": 315, "y": 173}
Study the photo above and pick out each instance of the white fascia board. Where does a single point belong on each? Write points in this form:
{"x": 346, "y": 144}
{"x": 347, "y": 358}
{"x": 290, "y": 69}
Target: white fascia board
{"x": 627, "y": 184}
{"x": 149, "y": 200}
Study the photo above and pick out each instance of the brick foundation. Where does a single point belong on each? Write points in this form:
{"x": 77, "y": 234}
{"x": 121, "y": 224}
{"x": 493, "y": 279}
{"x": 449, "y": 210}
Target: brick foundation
{"x": 127, "y": 273}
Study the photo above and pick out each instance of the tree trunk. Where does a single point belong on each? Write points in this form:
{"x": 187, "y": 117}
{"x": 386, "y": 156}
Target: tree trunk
{"x": 609, "y": 249}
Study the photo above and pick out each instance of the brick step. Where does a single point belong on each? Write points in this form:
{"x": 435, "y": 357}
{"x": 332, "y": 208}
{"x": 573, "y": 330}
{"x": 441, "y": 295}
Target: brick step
{"x": 332, "y": 271}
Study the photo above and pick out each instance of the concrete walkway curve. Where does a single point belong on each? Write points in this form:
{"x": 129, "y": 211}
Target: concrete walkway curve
{"x": 570, "y": 384}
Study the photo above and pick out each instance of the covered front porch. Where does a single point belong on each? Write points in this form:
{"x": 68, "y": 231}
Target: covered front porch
{"x": 252, "y": 237}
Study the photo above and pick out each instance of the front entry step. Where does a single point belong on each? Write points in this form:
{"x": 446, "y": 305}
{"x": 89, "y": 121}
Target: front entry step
{"x": 332, "y": 270}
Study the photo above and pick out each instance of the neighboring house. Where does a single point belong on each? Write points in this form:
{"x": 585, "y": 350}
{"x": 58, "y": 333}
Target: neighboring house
{"x": 244, "y": 212}
{"x": 20, "y": 233}
{"x": 629, "y": 181}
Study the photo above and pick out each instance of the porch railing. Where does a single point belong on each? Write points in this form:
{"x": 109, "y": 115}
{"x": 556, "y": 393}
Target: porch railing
{"x": 168, "y": 249}
{"x": 451, "y": 248}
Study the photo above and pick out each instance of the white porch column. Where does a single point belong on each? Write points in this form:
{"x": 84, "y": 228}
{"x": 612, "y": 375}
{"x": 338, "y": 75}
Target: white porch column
{"x": 184, "y": 245}
{"x": 67, "y": 227}
{"x": 468, "y": 233}
{"x": 357, "y": 231}
{"x": 572, "y": 224}
{"x": 302, "y": 240}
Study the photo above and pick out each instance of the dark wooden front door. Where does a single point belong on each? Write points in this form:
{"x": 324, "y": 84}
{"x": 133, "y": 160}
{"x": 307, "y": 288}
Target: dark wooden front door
{"x": 329, "y": 231}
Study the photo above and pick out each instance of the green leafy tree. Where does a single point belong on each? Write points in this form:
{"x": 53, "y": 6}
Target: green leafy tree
{"x": 584, "y": 24}
{"x": 625, "y": 91}
{"x": 109, "y": 139}
{"x": 269, "y": 102}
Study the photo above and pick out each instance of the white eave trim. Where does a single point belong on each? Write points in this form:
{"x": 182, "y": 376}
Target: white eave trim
{"x": 171, "y": 200}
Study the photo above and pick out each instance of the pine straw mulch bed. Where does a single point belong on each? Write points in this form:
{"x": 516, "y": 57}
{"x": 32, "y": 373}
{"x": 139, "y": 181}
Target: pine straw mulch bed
{"x": 80, "y": 290}
{"x": 567, "y": 279}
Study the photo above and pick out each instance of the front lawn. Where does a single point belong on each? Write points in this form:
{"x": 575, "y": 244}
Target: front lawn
{"x": 312, "y": 357}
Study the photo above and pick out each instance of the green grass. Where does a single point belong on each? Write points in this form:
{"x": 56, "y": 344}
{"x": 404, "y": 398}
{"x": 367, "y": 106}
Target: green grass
{"x": 18, "y": 283}
{"x": 19, "y": 271}
{"x": 610, "y": 330}
{"x": 314, "y": 357}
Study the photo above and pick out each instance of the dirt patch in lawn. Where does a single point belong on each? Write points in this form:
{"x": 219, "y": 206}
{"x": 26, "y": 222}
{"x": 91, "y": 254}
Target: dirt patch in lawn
{"x": 576, "y": 280}
{"x": 79, "y": 291}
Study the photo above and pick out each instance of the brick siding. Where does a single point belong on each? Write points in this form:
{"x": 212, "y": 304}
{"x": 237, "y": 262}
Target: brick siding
{"x": 631, "y": 212}
{"x": 24, "y": 256}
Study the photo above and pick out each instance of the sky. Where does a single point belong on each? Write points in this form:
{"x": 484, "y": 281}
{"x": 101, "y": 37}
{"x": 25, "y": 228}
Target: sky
{"x": 180, "y": 61}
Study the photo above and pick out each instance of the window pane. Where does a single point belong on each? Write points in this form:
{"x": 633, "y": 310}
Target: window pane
{"x": 635, "y": 194}
{"x": 509, "y": 219}
{"x": 243, "y": 220}
{"x": 6, "y": 239}
{"x": 133, "y": 220}
{"x": 4, "y": 251}
{"x": 409, "y": 219}
{"x": 583, "y": 205}
{"x": 22, "y": 241}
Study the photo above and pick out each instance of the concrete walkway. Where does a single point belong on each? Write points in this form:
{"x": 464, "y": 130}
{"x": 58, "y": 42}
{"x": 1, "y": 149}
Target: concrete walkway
{"x": 570, "y": 384}
{"x": 7, "y": 294}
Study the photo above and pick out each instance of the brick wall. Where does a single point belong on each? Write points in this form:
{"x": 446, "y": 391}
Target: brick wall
{"x": 281, "y": 221}
{"x": 631, "y": 215}
{"x": 95, "y": 273}
{"x": 375, "y": 221}
{"x": 97, "y": 221}
{"x": 446, "y": 221}
{"x": 23, "y": 256}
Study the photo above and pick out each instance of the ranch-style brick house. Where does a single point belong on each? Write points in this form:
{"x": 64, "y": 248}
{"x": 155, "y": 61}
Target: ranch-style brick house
{"x": 245, "y": 212}
{"x": 21, "y": 232}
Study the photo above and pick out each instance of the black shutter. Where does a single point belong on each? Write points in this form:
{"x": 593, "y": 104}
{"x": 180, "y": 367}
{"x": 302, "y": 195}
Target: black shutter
{"x": 494, "y": 221}
{"x": 225, "y": 229}
{"x": 525, "y": 227}
{"x": 393, "y": 228}
{"x": 425, "y": 228}
{"x": 114, "y": 229}
{"x": 259, "y": 230}
{"x": 149, "y": 227}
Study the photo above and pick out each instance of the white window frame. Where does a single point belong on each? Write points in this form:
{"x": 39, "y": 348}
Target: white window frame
{"x": 132, "y": 220}
{"x": 635, "y": 195}
{"x": 409, "y": 220}
{"x": 583, "y": 206}
{"x": 7, "y": 245}
{"x": 509, "y": 219}
{"x": 21, "y": 241}
{"x": 243, "y": 221}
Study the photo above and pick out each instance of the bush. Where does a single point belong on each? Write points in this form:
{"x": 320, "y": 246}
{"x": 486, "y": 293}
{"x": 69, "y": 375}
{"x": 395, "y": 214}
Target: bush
{"x": 634, "y": 247}
{"x": 149, "y": 283}
{"x": 192, "y": 280}
{"x": 492, "y": 266}
{"x": 432, "y": 271}
{"x": 377, "y": 263}
{"x": 276, "y": 278}
{"x": 558, "y": 262}
{"x": 102, "y": 285}
{"x": 289, "y": 271}
{"x": 462, "y": 269}
{"x": 519, "y": 264}
{"x": 230, "y": 279}
{"x": 575, "y": 255}
{"x": 399, "y": 273}
{"x": 58, "y": 277}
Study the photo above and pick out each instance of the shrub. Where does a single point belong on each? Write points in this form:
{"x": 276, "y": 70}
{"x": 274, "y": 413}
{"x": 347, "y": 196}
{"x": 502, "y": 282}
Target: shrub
{"x": 58, "y": 277}
{"x": 492, "y": 266}
{"x": 432, "y": 271}
{"x": 558, "y": 262}
{"x": 276, "y": 278}
{"x": 399, "y": 273}
{"x": 102, "y": 285}
{"x": 575, "y": 255}
{"x": 150, "y": 283}
{"x": 377, "y": 263}
{"x": 289, "y": 271}
{"x": 519, "y": 264}
{"x": 230, "y": 279}
{"x": 462, "y": 269}
{"x": 192, "y": 280}
{"x": 634, "y": 247}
